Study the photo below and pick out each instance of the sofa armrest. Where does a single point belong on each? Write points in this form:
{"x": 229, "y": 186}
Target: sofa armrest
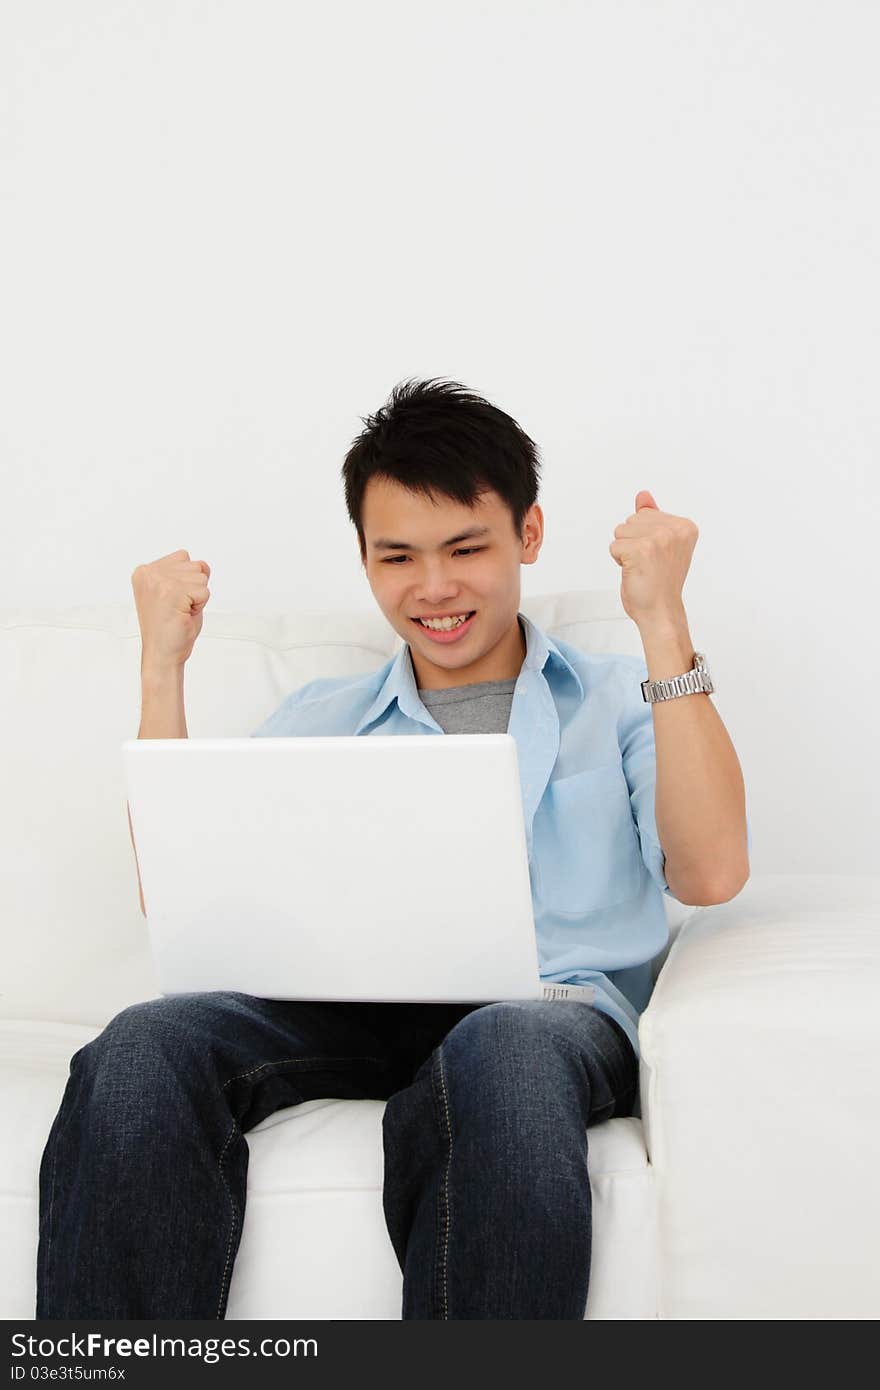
{"x": 760, "y": 1103}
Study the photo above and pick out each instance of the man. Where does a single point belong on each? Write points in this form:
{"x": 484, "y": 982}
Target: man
{"x": 486, "y": 1186}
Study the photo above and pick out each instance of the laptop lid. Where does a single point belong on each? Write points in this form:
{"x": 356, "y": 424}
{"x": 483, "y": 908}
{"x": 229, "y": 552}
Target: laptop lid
{"x": 337, "y": 868}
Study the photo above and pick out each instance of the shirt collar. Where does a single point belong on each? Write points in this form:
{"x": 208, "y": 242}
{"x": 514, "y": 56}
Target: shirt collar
{"x": 399, "y": 682}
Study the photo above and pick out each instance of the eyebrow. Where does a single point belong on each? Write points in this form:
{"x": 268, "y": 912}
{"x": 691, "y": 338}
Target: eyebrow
{"x": 383, "y": 544}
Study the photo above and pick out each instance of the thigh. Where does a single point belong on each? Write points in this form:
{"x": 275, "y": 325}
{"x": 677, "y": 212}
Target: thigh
{"x": 258, "y": 1054}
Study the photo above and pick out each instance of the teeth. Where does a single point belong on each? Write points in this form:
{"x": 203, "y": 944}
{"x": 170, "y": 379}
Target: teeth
{"x": 443, "y": 624}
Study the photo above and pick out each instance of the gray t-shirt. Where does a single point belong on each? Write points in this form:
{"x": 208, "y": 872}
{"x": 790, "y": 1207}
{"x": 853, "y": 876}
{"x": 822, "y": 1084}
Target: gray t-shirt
{"x": 483, "y": 708}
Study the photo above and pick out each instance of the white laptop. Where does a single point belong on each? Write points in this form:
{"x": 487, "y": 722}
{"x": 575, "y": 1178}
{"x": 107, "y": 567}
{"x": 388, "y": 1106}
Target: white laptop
{"x": 337, "y": 868}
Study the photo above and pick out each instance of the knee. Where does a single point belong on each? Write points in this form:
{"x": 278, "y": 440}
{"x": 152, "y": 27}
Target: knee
{"x": 510, "y": 1040}
{"x": 508, "y": 1076}
{"x": 139, "y": 1041}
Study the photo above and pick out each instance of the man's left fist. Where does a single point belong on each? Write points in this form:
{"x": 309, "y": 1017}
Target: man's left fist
{"x": 654, "y": 550}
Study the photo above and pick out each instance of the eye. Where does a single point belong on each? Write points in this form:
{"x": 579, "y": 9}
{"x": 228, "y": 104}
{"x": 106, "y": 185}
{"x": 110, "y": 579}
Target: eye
{"x": 471, "y": 550}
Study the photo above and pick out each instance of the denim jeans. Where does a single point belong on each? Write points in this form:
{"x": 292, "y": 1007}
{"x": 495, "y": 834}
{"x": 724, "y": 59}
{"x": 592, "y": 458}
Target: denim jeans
{"x": 486, "y": 1194}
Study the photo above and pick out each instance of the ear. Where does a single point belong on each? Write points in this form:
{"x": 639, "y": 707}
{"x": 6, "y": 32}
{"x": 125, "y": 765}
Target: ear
{"x": 534, "y": 522}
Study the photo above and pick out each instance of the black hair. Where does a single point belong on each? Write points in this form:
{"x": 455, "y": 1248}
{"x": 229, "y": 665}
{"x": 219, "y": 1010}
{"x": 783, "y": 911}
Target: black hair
{"x": 437, "y": 438}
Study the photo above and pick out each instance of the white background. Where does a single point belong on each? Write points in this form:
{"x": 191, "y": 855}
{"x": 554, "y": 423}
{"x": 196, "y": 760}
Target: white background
{"x": 648, "y": 231}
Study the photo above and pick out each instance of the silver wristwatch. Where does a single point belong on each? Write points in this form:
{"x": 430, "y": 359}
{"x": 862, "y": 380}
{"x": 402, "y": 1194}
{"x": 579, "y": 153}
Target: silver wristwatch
{"x": 691, "y": 683}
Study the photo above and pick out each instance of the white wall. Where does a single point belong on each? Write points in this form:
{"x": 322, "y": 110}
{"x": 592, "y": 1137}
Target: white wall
{"x": 646, "y": 230}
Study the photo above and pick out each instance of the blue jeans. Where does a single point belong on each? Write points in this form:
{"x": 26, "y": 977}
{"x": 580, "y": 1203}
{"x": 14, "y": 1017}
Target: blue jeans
{"x": 486, "y": 1193}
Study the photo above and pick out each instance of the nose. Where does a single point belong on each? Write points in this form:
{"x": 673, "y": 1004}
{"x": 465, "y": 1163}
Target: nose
{"x": 432, "y": 599}
{"x": 435, "y": 592}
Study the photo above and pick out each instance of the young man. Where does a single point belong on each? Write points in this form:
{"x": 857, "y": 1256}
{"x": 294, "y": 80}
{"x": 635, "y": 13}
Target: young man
{"x": 486, "y": 1187}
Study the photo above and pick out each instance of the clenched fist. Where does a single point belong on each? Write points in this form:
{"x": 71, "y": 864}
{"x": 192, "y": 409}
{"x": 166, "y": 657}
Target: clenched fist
{"x": 170, "y": 595}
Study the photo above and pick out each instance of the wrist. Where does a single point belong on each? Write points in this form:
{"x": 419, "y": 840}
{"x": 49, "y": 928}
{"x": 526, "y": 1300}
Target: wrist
{"x": 664, "y": 622}
{"x": 161, "y": 675}
{"x": 668, "y": 647}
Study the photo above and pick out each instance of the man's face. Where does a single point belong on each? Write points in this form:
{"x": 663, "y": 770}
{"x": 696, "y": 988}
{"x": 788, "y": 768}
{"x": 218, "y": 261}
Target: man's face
{"x": 425, "y": 574}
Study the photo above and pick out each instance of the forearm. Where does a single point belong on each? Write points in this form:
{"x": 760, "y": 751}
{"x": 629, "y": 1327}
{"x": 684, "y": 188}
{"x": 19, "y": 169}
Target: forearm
{"x": 699, "y": 802}
{"x": 162, "y": 708}
{"x": 162, "y": 716}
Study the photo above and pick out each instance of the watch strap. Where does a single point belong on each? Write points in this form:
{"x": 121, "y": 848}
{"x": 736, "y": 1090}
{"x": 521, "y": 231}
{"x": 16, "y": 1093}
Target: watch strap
{"x": 692, "y": 682}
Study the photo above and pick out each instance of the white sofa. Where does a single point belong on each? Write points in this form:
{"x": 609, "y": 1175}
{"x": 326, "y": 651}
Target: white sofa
{"x": 747, "y": 1187}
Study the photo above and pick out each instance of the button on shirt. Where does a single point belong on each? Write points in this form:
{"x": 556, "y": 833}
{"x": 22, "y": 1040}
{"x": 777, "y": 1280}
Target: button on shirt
{"x": 587, "y": 765}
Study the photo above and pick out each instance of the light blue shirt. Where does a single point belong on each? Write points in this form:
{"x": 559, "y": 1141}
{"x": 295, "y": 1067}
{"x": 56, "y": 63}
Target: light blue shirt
{"x": 587, "y": 764}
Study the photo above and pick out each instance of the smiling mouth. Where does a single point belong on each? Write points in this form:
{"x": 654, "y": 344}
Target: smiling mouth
{"x": 467, "y": 618}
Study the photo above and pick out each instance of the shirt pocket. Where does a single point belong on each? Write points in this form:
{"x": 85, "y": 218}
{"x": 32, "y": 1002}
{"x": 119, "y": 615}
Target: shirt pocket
{"x": 585, "y": 842}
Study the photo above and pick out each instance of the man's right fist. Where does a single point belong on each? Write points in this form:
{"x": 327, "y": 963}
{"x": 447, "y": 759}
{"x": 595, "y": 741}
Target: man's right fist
{"x": 169, "y": 595}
